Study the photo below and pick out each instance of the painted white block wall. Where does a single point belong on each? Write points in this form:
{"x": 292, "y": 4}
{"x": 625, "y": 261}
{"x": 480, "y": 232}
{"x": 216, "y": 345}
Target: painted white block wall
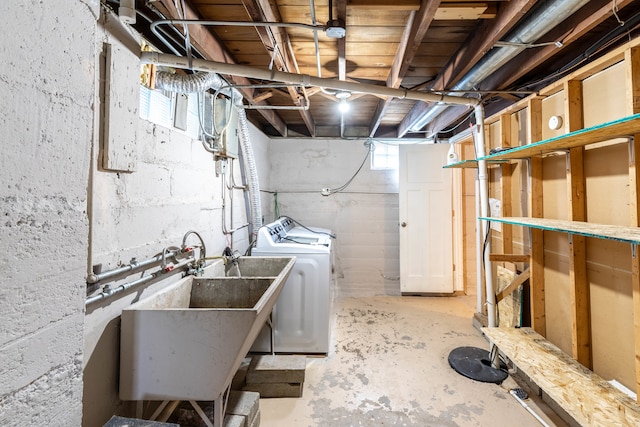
{"x": 364, "y": 216}
{"x": 46, "y": 122}
{"x": 62, "y": 213}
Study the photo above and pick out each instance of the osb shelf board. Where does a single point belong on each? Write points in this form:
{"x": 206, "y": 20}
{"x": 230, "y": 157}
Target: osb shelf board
{"x": 471, "y": 164}
{"x": 627, "y": 126}
{"x": 588, "y": 229}
{"x": 587, "y": 397}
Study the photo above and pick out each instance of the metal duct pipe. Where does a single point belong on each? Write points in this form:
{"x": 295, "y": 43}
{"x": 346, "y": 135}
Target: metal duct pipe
{"x": 298, "y": 79}
{"x": 546, "y": 16}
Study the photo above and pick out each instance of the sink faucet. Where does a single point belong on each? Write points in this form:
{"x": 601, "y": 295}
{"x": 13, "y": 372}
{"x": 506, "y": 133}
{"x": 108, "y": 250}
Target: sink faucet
{"x": 198, "y": 265}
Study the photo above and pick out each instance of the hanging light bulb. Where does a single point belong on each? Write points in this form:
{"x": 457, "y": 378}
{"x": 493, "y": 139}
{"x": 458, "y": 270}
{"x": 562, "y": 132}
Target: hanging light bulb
{"x": 343, "y": 106}
{"x": 342, "y": 96}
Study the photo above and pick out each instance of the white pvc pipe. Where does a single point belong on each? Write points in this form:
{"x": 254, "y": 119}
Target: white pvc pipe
{"x": 127, "y": 11}
{"x": 298, "y": 79}
{"x": 484, "y": 212}
{"x": 479, "y": 284}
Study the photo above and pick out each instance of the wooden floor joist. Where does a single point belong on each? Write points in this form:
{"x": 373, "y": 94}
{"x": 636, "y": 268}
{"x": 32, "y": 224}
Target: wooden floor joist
{"x": 587, "y": 397}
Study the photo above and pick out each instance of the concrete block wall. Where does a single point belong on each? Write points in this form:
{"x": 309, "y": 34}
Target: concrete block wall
{"x": 62, "y": 213}
{"x": 364, "y": 216}
{"x": 46, "y": 122}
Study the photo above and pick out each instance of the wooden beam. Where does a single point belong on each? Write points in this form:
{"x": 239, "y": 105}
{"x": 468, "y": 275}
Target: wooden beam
{"x": 382, "y": 5}
{"x": 534, "y": 130}
{"x": 341, "y": 9}
{"x": 481, "y": 41}
{"x": 517, "y": 281}
{"x": 506, "y": 170}
{"x": 509, "y": 257}
{"x": 415, "y": 30}
{"x": 214, "y": 50}
{"x": 580, "y": 23}
{"x": 576, "y": 210}
{"x": 278, "y": 39}
{"x": 632, "y": 77}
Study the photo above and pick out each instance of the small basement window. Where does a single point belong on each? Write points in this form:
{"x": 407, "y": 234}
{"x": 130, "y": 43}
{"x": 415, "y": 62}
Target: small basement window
{"x": 384, "y": 156}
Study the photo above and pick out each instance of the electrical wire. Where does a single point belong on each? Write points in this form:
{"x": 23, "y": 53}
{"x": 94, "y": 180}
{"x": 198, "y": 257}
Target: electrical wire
{"x": 333, "y": 236}
{"x": 601, "y": 44}
{"x": 370, "y": 148}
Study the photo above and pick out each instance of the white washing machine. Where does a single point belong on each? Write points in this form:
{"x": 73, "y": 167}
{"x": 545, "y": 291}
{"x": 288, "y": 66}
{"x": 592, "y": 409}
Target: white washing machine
{"x": 302, "y": 313}
{"x": 294, "y": 229}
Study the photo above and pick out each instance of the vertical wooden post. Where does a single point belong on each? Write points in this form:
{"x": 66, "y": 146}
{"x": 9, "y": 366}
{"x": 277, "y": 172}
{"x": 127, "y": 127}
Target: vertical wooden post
{"x": 576, "y": 210}
{"x": 632, "y": 71}
{"x": 505, "y": 185}
{"x": 536, "y": 279}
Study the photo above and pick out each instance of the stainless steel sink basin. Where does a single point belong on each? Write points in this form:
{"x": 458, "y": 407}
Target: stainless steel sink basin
{"x": 187, "y": 341}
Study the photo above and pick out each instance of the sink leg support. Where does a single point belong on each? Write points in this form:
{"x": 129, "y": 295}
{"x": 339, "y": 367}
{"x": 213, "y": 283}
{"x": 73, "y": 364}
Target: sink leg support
{"x": 271, "y": 333}
{"x": 204, "y": 417}
{"x": 165, "y": 410}
{"x": 218, "y": 411}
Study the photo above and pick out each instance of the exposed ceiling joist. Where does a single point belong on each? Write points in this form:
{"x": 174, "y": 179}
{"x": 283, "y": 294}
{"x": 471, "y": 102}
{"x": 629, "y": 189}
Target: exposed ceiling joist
{"x": 214, "y": 50}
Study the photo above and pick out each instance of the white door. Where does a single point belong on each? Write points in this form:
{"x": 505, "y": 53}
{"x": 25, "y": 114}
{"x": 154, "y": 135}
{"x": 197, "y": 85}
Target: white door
{"x": 425, "y": 224}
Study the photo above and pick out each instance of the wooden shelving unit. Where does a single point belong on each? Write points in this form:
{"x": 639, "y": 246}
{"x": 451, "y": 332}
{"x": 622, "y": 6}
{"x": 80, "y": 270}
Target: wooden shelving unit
{"x": 571, "y": 145}
{"x": 586, "y": 229}
{"x": 471, "y": 164}
{"x": 625, "y": 127}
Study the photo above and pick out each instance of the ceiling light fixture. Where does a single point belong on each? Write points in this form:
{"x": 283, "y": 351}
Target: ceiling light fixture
{"x": 343, "y": 106}
{"x": 342, "y": 96}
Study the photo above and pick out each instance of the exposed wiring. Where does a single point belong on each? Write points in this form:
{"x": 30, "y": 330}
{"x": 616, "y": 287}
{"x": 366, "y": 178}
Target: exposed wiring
{"x": 333, "y": 236}
{"x": 370, "y": 148}
{"x": 604, "y": 42}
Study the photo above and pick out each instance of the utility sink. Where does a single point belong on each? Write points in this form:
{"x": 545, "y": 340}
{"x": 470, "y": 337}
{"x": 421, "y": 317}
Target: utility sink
{"x": 187, "y": 341}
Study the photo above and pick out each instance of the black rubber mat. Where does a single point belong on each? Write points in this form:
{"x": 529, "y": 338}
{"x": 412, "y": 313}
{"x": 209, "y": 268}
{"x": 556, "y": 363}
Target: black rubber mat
{"x": 474, "y": 363}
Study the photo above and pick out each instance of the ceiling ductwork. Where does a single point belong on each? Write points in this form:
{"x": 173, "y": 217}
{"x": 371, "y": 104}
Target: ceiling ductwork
{"x": 546, "y": 16}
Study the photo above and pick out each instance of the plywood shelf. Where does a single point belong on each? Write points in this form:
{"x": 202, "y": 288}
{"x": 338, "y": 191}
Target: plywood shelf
{"x": 587, "y": 229}
{"x": 627, "y": 126}
{"x": 471, "y": 164}
{"x": 588, "y": 398}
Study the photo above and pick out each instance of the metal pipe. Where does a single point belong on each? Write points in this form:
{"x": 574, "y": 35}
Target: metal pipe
{"x": 545, "y": 17}
{"x": 108, "y": 291}
{"x": 299, "y": 79}
{"x": 132, "y": 267}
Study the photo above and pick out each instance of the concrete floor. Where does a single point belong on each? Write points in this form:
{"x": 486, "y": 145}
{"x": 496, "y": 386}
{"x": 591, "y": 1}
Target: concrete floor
{"x": 388, "y": 367}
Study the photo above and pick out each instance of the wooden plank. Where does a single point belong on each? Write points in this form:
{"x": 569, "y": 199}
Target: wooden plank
{"x": 472, "y": 164}
{"x": 384, "y": 5}
{"x": 587, "y": 397}
{"x": 618, "y": 233}
{"x": 509, "y": 257}
{"x": 519, "y": 280}
{"x": 536, "y": 281}
{"x": 576, "y": 210}
{"x": 627, "y": 126}
{"x": 510, "y": 306}
{"x": 506, "y": 170}
{"x": 632, "y": 77}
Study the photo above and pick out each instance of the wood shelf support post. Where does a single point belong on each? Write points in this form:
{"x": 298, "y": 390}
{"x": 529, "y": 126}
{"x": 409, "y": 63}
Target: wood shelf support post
{"x": 536, "y": 280}
{"x": 576, "y": 209}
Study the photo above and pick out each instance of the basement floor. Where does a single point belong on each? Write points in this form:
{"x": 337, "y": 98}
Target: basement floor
{"x": 388, "y": 367}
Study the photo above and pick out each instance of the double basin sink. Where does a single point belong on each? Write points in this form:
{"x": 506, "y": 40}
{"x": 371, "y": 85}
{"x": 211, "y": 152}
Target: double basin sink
{"x": 187, "y": 341}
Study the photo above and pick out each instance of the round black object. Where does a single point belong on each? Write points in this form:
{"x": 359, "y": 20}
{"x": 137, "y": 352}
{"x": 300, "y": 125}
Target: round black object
{"x": 474, "y": 363}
